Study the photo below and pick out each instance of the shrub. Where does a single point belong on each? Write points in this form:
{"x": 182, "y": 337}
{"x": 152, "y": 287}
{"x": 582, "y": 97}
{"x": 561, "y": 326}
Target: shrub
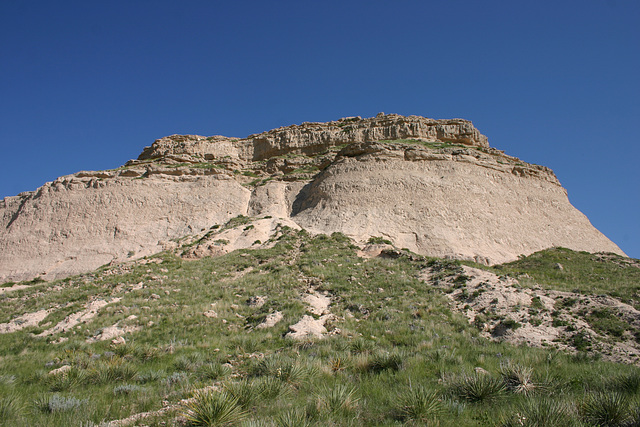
{"x": 56, "y": 403}
{"x": 64, "y": 380}
{"x": 150, "y": 376}
{"x": 377, "y": 240}
{"x": 176, "y": 379}
{"x": 282, "y": 368}
{"x": 626, "y": 383}
{"x": 271, "y": 388}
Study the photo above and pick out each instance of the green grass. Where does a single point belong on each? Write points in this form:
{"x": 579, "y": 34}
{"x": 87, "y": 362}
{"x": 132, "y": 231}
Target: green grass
{"x": 580, "y": 272}
{"x": 398, "y": 355}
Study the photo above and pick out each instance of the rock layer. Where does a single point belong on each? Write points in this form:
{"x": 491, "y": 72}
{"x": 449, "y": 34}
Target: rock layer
{"x": 310, "y": 138}
{"x": 433, "y": 186}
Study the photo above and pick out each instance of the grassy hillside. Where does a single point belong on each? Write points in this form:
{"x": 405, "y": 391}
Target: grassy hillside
{"x": 394, "y": 351}
{"x": 580, "y": 272}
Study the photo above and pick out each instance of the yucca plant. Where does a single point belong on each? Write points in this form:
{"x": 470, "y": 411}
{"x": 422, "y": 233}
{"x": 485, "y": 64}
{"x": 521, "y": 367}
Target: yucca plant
{"x": 541, "y": 412}
{"x": 606, "y": 409}
{"x": 518, "y": 379}
{"x": 213, "y": 371}
{"x": 115, "y": 369}
{"x": 383, "y": 360}
{"x": 338, "y": 363}
{"x": 212, "y": 409}
{"x": 292, "y": 418}
{"x": 246, "y": 392}
{"x": 477, "y": 387}
{"x": 10, "y": 408}
{"x": 150, "y": 376}
{"x": 338, "y": 399}
{"x": 65, "y": 380}
{"x": 282, "y": 368}
{"x": 271, "y": 388}
{"x": 629, "y": 383}
{"x": 419, "y": 404}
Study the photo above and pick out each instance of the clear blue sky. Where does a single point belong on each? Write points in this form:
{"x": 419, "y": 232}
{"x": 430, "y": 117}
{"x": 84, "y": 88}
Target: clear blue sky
{"x": 85, "y": 85}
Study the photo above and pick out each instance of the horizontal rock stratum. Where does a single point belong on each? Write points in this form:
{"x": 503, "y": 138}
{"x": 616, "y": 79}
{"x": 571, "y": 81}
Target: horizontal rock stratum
{"x": 435, "y": 187}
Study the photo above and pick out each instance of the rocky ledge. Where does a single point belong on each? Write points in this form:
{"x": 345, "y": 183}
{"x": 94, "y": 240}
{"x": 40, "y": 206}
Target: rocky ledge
{"x": 311, "y": 138}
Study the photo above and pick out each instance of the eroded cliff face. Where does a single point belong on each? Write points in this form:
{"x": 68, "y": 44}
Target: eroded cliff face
{"x": 433, "y": 186}
{"x": 313, "y": 138}
{"x": 457, "y": 203}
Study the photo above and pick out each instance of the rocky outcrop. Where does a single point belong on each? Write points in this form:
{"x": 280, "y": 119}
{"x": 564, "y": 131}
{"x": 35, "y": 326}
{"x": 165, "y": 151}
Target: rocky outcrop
{"x": 433, "y": 186}
{"x": 312, "y": 138}
{"x": 75, "y": 224}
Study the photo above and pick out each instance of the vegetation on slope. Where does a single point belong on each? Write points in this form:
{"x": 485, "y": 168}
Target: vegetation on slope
{"x": 580, "y": 272}
{"x": 394, "y": 353}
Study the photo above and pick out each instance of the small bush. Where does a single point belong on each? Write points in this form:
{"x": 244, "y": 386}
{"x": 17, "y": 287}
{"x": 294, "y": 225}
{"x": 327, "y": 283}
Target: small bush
{"x": 271, "y": 388}
{"x": 56, "y": 403}
{"x": 65, "y": 380}
{"x": 629, "y": 383}
{"x": 114, "y": 370}
{"x": 176, "y": 379}
{"x": 377, "y": 240}
{"x": 282, "y": 368}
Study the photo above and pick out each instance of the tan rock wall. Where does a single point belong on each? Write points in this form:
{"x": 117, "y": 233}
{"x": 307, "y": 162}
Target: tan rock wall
{"x": 75, "y": 225}
{"x": 447, "y": 208}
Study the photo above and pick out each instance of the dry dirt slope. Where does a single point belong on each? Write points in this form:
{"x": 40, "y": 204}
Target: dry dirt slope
{"x": 432, "y": 186}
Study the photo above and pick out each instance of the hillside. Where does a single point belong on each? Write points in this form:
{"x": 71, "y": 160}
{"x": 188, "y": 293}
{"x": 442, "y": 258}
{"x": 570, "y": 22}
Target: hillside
{"x": 435, "y": 187}
{"x": 315, "y": 330}
{"x": 380, "y": 271}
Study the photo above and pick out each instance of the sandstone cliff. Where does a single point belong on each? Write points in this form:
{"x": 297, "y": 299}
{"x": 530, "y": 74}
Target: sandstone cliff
{"x": 433, "y": 186}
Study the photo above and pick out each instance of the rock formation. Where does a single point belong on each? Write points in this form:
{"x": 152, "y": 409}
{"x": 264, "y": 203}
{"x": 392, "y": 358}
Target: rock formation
{"x": 432, "y": 186}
